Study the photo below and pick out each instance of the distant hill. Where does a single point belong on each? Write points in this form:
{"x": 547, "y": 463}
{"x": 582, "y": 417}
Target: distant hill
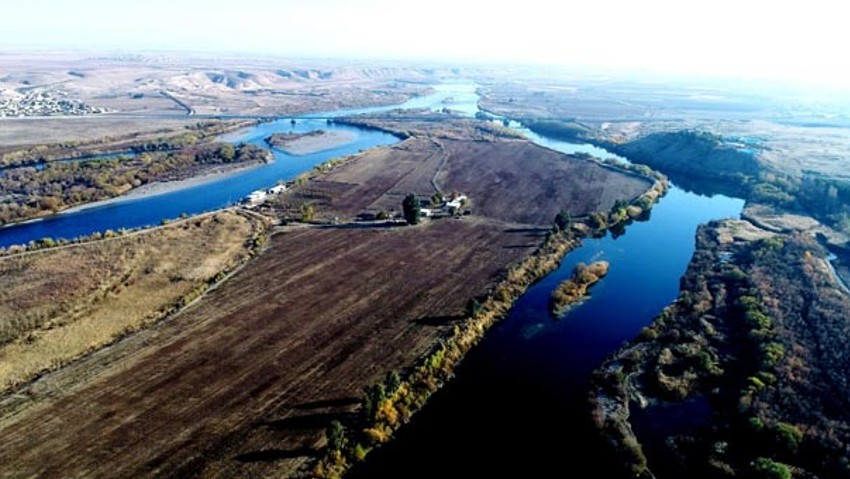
{"x": 690, "y": 153}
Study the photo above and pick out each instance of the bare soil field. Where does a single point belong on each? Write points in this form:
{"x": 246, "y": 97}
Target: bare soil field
{"x": 244, "y": 382}
{"x": 521, "y": 182}
{"x": 58, "y": 304}
{"x": 510, "y": 180}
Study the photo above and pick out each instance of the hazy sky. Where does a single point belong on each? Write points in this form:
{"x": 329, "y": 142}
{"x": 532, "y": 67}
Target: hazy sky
{"x": 780, "y": 39}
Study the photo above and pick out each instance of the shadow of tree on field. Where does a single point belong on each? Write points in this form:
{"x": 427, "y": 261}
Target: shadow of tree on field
{"x": 329, "y": 403}
{"x": 519, "y": 246}
{"x": 436, "y": 320}
{"x": 531, "y": 232}
{"x": 309, "y": 421}
{"x": 270, "y": 455}
{"x": 534, "y": 235}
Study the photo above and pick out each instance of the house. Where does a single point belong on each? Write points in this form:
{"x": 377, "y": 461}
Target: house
{"x": 455, "y": 203}
{"x": 276, "y": 190}
{"x": 255, "y": 198}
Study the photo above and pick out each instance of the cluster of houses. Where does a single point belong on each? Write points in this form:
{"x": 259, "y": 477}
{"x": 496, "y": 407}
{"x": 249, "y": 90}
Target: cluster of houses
{"x": 41, "y": 103}
{"x": 258, "y": 197}
{"x": 449, "y": 207}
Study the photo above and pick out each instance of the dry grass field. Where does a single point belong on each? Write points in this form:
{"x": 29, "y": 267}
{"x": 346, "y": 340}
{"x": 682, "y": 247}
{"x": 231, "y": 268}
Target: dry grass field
{"x": 16, "y": 133}
{"x": 791, "y": 132}
{"x": 58, "y": 304}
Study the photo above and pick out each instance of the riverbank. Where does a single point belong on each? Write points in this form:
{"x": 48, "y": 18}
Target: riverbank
{"x": 166, "y": 187}
{"x": 401, "y": 398}
{"x": 163, "y": 138}
{"x": 36, "y": 193}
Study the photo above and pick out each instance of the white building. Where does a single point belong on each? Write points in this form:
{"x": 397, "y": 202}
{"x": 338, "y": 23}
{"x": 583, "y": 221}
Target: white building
{"x": 456, "y": 203}
{"x": 256, "y": 197}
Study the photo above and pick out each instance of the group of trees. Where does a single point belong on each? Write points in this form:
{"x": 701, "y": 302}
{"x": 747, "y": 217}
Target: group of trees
{"x": 412, "y": 210}
{"x": 171, "y": 140}
{"x": 31, "y": 192}
{"x": 576, "y": 286}
{"x": 762, "y": 334}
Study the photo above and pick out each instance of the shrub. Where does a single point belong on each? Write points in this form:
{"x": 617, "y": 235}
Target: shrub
{"x": 336, "y": 436}
{"x": 563, "y": 220}
{"x": 359, "y": 452}
{"x": 769, "y": 469}
{"x": 787, "y": 437}
{"x": 393, "y": 381}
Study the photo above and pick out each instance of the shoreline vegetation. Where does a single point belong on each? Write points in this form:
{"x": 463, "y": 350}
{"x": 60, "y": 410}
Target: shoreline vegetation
{"x": 35, "y": 192}
{"x": 387, "y": 406}
{"x": 753, "y": 306}
{"x": 157, "y": 188}
{"x": 165, "y": 139}
{"x": 309, "y": 142}
{"x": 576, "y": 288}
{"x": 114, "y": 274}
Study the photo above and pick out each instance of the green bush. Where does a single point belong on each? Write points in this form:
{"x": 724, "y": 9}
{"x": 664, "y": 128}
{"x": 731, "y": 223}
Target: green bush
{"x": 336, "y": 436}
{"x": 787, "y": 437}
{"x": 769, "y": 469}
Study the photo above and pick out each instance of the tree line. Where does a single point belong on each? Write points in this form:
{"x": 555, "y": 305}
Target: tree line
{"x": 30, "y": 192}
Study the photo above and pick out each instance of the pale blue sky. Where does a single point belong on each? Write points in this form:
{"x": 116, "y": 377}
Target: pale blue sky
{"x": 752, "y": 38}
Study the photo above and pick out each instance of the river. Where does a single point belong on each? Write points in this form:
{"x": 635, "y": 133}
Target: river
{"x": 518, "y": 399}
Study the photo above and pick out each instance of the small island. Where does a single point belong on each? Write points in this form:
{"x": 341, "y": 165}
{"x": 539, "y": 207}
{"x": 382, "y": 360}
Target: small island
{"x": 309, "y": 142}
{"x": 575, "y": 288}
